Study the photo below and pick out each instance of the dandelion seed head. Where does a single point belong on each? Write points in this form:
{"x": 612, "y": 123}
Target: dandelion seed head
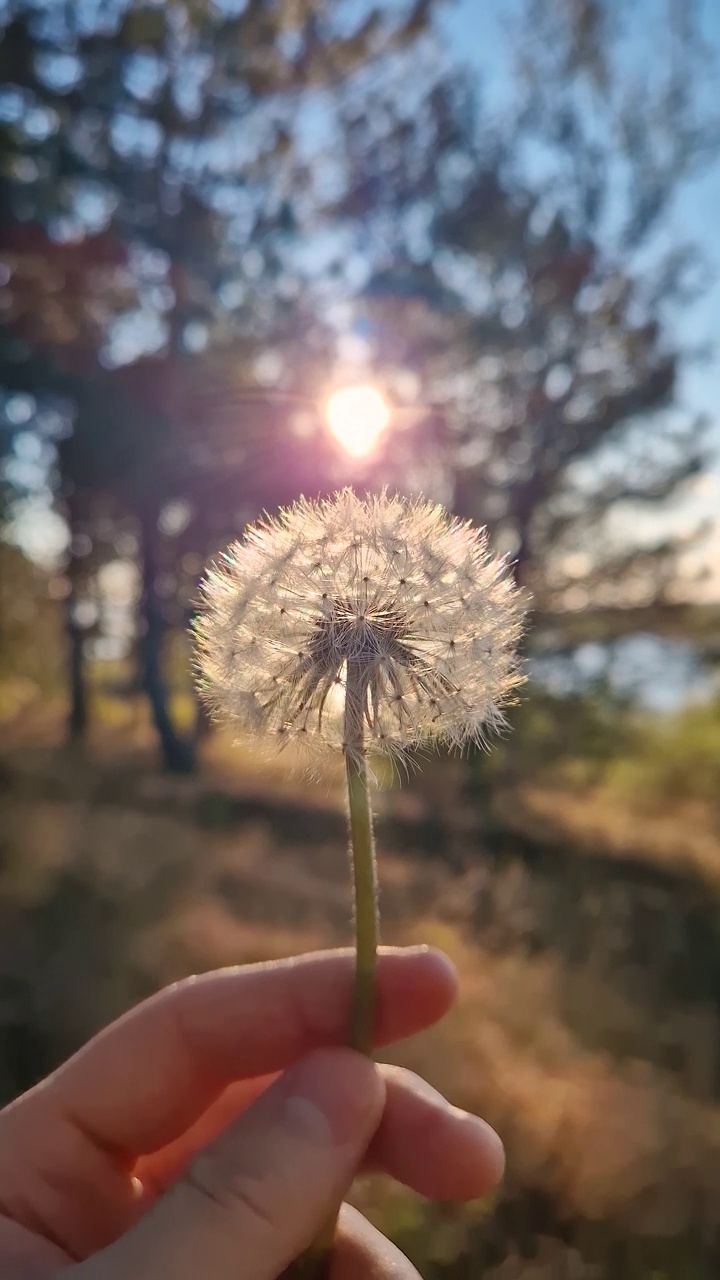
{"x": 395, "y": 599}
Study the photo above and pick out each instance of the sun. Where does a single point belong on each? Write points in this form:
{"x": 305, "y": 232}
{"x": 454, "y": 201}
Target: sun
{"x": 357, "y": 417}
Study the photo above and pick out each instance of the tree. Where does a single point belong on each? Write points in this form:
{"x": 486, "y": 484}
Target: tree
{"x": 153, "y": 182}
{"x": 534, "y": 309}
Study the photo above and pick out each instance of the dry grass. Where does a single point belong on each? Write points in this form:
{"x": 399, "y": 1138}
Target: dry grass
{"x": 671, "y": 834}
{"x": 115, "y": 879}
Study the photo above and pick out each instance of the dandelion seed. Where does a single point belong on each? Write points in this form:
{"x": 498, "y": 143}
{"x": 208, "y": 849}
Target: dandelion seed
{"x": 395, "y": 598}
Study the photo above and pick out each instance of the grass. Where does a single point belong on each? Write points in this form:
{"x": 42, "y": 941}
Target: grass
{"x": 584, "y": 920}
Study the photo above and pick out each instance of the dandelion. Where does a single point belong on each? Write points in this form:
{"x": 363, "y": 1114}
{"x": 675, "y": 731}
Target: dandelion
{"x": 390, "y": 607}
{"x": 373, "y": 625}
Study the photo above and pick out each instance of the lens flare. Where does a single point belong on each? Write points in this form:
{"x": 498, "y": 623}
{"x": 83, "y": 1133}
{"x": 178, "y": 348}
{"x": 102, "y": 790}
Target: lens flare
{"x": 357, "y": 417}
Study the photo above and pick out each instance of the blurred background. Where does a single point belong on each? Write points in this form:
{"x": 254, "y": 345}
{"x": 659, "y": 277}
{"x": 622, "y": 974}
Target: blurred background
{"x": 256, "y": 248}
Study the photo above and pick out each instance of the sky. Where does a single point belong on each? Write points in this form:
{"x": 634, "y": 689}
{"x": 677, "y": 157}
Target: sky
{"x": 478, "y": 33}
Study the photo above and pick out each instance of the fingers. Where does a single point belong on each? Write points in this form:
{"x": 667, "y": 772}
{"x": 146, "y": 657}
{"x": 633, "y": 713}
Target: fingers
{"x": 25, "y": 1255}
{"x": 361, "y": 1252}
{"x": 422, "y": 1141}
{"x": 146, "y": 1078}
{"x": 254, "y": 1199}
{"x": 156, "y": 1171}
{"x": 436, "y": 1149}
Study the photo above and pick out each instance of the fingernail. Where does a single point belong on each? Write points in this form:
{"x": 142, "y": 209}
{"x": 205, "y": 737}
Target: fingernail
{"x": 335, "y": 1097}
{"x": 439, "y": 958}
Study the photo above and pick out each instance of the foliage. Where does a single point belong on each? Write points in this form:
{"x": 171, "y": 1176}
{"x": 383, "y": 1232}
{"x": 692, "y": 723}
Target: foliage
{"x": 596, "y": 739}
{"x": 534, "y": 306}
{"x": 31, "y": 627}
{"x": 573, "y": 737}
{"x": 677, "y": 757}
{"x": 156, "y": 190}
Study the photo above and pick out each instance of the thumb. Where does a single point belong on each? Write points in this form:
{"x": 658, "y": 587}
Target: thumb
{"x": 253, "y": 1200}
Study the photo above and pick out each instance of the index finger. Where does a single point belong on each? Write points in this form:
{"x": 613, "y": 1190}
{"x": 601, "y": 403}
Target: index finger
{"x": 147, "y": 1077}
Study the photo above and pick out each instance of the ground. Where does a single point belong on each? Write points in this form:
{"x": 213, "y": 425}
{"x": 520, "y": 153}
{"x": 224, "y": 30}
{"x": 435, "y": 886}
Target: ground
{"x": 586, "y": 932}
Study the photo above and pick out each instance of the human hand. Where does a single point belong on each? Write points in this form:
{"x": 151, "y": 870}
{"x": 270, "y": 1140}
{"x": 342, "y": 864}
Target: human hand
{"x": 171, "y": 1147}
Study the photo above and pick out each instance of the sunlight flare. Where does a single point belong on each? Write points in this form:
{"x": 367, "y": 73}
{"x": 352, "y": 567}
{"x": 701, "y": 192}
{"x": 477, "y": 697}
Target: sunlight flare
{"x": 357, "y": 417}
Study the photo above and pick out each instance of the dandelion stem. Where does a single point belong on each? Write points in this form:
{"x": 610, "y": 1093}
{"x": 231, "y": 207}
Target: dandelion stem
{"x": 362, "y": 848}
{"x": 315, "y": 1262}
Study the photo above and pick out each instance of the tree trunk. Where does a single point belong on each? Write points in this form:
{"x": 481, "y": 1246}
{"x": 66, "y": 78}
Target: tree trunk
{"x": 77, "y": 721}
{"x": 78, "y": 717}
{"x": 177, "y": 753}
{"x": 203, "y": 723}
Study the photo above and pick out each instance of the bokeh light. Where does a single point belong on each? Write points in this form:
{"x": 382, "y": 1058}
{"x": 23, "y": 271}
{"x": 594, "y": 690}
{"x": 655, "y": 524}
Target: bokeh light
{"x": 357, "y": 417}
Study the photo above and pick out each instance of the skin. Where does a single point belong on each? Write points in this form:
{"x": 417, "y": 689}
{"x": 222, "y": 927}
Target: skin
{"x": 214, "y": 1129}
